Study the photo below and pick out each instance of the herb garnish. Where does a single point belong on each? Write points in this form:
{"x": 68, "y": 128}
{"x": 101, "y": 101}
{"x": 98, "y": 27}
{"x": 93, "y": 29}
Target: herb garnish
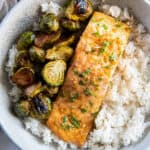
{"x": 105, "y": 44}
{"x": 97, "y": 34}
{"x": 91, "y": 103}
{"x": 112, "y": 57}
{"x": 83, "y": 110}
{"x": 82, "y": 82}
{"x": 88, "y": 92}
{"x": 74, "y": 121}
{"x": 105, "y": 27}
{"x": 73, "y": 97}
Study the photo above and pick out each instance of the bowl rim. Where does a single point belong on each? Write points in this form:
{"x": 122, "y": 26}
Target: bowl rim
{"x": 2, "y": 23}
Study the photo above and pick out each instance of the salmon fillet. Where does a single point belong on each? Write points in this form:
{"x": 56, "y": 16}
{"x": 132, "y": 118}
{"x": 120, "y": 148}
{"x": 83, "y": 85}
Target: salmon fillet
{"x": 87, "y": 80}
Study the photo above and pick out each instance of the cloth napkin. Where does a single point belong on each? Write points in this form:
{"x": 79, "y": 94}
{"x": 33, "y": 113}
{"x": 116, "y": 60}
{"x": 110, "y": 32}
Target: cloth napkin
{"x": 5, "y": 142}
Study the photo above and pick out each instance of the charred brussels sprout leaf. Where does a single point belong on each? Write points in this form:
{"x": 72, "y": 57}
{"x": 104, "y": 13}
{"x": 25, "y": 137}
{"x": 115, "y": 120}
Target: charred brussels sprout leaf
{"x": 33, "y": 90}
{"x": 70, "y": 25}
{"x": 51, "y": 91}
{"x": 23, "y": 76}
{"x": 59, "y": 53}
{"x": 22, "y": 108}
{"x": 41, "y": 107}
{"x": 49, "y": 23}
{"x": 43, "y": 40}
{"x": 22, "y": 59}
{"x": 25, "y": 40}
{"x": 53, "y": 72}
{"x": 79, "y": 10}
{"x": 66, "y": 42}
{"x": 37, "y": 54}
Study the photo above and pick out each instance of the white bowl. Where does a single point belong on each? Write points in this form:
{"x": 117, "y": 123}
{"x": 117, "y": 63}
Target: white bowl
{"x": 18, "y": 20}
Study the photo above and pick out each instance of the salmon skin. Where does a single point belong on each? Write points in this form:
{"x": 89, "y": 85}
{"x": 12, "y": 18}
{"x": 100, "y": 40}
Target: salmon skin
{"x": 95, "y": 60}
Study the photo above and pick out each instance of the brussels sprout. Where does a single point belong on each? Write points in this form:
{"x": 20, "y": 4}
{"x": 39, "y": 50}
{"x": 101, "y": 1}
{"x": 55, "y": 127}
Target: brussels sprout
{"x": 79, "y": 10}
{"x": 70, "y": 25}
{"x": 25, "y": 40}
{"x": 40, "y": 107}
{"x": 43, "y": 40}
{"x": 59, "y": 53}
{"x": 22, "y": 108}
{"x": 49, "y": 23}
{"x": 37, "y": 54}
{"x": 22, "y": 59}
{"x": 66, "y": 42}
{"x": 34, "y": 89}
{"x": 51, "y": 91}
{"x": 53, "y": 72}
{"x": 23, "y": 76}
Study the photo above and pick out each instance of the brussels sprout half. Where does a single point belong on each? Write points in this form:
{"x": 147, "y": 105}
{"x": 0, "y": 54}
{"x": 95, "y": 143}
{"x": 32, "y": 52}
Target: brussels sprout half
{"x": 49, "y": 23}
{"x": 79, "y": 10}
{"x": 70, "y": 25}
{"x": 22, "y": 59}
{"x": 37, "y": 54}
{"x": 22, "y": 108}
{"x": 25, "y": 40}
{"x": 53, "y": 72}
{"x": 40, "y": 107}
{"x": 23, "y": 77}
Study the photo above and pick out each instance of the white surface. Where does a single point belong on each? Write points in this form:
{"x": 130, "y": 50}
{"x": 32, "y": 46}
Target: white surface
{"x": 18, "y": 20}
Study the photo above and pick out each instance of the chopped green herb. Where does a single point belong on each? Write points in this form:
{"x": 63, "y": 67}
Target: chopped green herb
{"x": 73, "y": 97}
{"x": 91, "y": 103}
{"x": 105, "y": 27}
{"x": 83, "y": 110}
{"x": 97, "y": 34}
{"x": 65, "y": 119}
{"x": 66, "y": 126}
{"x": 112, "y": 57}
{"x": 102, "y": 50}
{"x": 105, "y": 44}
{"x": 82, "y": 82}
{"x": 88, "y": 92}
{"x": 100, "y": 79}
{"x": 74, "y": 121}
{"x": 88, "y": 71}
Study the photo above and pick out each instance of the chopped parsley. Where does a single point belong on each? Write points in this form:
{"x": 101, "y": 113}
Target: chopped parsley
{"x": 100, "y": 79}
{"x": 105, "y": 44}
{"x": 82, "y": 82}
{"x": 90, "y": 103}
{"x": 112, "y": 57}
{"x": 75, "y": 122}
{"x": 88, "y": 92}
{"x": 83, "y": 110}
{"x": 73, "y": 97}
{"x": 66, "y": 126}
{"x": 118, "y": 25}
{"x": 83, "y": 74}
{"x": 105, "y": 27}
{"x": 97, "y": 34}
{"x": 65, "y": 119}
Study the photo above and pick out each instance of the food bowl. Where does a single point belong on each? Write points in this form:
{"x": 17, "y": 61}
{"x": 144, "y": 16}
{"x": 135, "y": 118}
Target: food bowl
{"x": 20, "y": 18}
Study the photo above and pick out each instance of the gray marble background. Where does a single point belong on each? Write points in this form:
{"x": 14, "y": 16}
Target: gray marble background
{"x": 5, "y": 142}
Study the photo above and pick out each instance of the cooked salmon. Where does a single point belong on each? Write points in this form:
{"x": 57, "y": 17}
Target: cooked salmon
{"x": 80, "y": 98}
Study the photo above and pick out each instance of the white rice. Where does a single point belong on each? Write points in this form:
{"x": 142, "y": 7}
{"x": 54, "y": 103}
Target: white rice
{"x": 121, "y": 120}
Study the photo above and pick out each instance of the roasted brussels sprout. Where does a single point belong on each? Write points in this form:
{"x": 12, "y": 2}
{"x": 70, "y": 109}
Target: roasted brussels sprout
{"x": 59, "y": 53}
{"x": 51, "y": 91}
{"x": 25, "y": 40}
{"x": 22, "y": 108}
{"x": 33, "y": 89}
{"x": 40, "y": 107}
{"x": 43, "y": 40}
{"x": 49, "y": 23}
{"x": 22, "y": 59}
{"x": 37, "y": 54}
{"x": 79, "y": 10}
{"x": 53, "y": 72}
{"x": 23, "y": 76}
{"x": 70, "y": 25}
{"x": 66, "y": 42}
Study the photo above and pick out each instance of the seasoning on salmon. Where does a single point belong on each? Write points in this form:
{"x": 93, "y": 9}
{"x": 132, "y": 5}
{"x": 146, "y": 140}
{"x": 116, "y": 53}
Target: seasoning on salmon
{"x": 87, "y": 80}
